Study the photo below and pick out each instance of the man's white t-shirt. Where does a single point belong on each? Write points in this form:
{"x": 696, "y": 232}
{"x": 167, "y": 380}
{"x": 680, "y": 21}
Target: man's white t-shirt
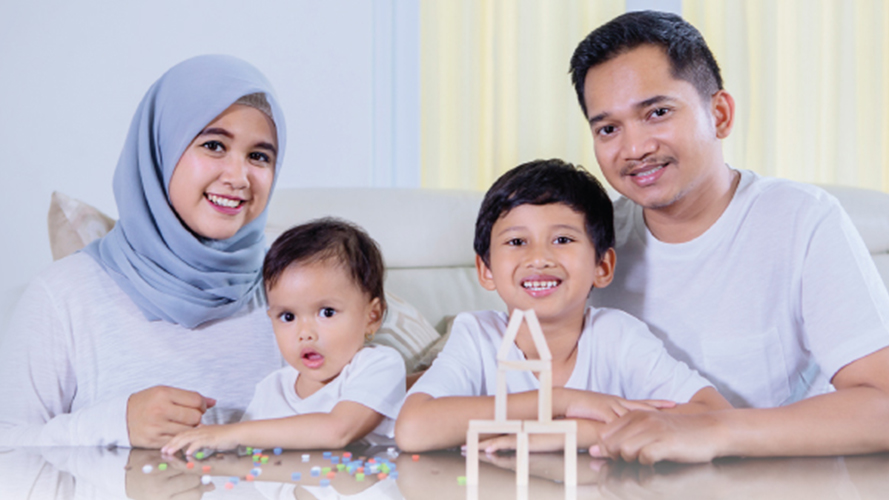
{"x": 374, "y": 378}
{"x": 616, "y": 354}
{"x": 769, "y": 303}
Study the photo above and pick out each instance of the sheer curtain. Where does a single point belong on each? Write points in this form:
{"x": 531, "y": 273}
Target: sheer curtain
{"x": 811, "y": 82}
{"x": 495, "y": 90}
{"x": 810, "y": 77}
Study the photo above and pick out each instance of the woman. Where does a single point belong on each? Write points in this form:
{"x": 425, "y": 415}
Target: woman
{"x": 160, "y": 324}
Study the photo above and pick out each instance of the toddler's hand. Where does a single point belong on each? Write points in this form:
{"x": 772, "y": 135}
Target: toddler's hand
{"x": 216, "y": 437}
{"x": 607, "y": 408}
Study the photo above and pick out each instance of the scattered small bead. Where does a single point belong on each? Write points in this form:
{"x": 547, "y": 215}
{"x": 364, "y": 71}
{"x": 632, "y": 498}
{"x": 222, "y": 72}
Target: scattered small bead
{"x": 347, "y": 454}
{"x": 325, "y": 470}
{"x": 316, "y": 471}
{"x": 305, "y": 457}
{"x": 278, "y": 451}
{"x": 147, "y": 469}
{"x": 205, "y": 479}
{"x": 189, "y": 465}
{"x": 461, "y": 480}
{"x": 327, "y": 454}
{"x": 385, "y": 468}
{"x": 331, "y": 474}
{"x": 393, "y": 474}
{"x": 162, "y": 466}
{"x": 359, "y": 476}
{"x": 264, "y": 459}
{"x": 229, "y": 485}
{"x": 382, "y": 475}
{"x": 199, "y": 455}
{"x": 334, "y": 460}
{"x": 249, "y": 477}
{"x": 256, "y": 471}
{"x": 257, "y": 451}
{"x": 206, "y": 468}
{"x": 415, "y": 457}
{"x": 249, "y": 450}
{"x": 234, "y": 480}
{"x": 296, "y": 476}
{"x": 324, "y": 482}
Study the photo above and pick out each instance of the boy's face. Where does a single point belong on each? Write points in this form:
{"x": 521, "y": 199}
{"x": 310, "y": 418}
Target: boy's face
{"x": 542, "y": 258}
{"x": 655, "y": 139}
{"x": 320, "y": 317}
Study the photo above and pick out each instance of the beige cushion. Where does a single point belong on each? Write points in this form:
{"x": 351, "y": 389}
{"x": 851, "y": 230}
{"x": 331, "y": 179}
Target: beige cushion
{"x": 405, "y": 330}
{"x": 73, "y": 224}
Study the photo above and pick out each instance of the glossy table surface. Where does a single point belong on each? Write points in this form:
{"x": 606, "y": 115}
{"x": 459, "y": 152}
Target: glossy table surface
{"x": 69, "y": 473}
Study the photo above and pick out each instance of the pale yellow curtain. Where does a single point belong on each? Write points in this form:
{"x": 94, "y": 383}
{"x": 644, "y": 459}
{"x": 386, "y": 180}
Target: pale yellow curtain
{"x": 495, "y": 90}
{"x": 811, "y": 82}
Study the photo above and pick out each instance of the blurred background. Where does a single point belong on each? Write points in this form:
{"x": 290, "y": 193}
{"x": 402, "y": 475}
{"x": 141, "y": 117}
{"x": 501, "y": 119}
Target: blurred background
{"x": 418, "y": 93}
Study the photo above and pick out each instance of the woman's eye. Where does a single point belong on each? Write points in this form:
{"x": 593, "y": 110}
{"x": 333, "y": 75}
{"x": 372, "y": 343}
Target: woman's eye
{"x": 286, "y": 317}
{"x": 215, "y": 146}
{"x": 261, "y": 157}
{"x": 327, "y": 312}
{"x": 561, "y": 240}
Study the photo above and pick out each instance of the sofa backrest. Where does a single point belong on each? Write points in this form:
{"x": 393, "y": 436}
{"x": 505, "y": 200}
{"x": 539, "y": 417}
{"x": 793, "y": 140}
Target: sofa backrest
{"x": 425, "y": 236}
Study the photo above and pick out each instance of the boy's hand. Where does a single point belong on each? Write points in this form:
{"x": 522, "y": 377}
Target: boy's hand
{"x": 536, "y": 443}
{"x": 607, "y": 408}
{"x": 217, "y": 437}
{"x": 160, "y": 412}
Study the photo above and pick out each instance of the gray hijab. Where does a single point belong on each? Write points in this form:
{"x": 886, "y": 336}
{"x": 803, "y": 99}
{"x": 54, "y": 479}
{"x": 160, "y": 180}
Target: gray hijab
{"x": 166, "y": 270}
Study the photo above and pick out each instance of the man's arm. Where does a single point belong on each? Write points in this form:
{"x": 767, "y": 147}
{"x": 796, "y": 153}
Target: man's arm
{"x": 851, "y": 420}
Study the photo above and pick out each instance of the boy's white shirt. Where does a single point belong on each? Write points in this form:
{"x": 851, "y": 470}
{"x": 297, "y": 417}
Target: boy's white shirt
{"x": 374, "y": 378}
{"x": 769, "y": 303}
{"x": 616, "y": 354}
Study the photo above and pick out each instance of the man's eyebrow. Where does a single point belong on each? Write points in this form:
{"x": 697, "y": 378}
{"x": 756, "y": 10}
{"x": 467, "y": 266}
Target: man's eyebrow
{"x": 639, "y": 105}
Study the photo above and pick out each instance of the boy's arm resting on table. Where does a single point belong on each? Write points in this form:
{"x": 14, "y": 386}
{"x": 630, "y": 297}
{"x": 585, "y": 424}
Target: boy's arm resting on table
{"x": 346, "y": 422}
{"x": 851, "y": 420}
{"x": 426, "y": 423}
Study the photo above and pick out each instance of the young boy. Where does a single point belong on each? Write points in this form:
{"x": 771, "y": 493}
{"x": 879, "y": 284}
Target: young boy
{"x": 543, "y": 241}
{"x": 324, "y": 282}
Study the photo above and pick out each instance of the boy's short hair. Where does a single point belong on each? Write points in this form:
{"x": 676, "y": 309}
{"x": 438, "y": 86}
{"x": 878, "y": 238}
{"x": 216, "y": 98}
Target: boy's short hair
{"x": 544, "y": 182}
{"x": 328, "y": 239}
{"x": 690, "y": 58}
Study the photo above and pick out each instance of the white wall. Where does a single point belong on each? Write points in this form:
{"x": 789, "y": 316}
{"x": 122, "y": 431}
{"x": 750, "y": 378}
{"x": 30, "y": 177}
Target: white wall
{"x": 72, "y": 74}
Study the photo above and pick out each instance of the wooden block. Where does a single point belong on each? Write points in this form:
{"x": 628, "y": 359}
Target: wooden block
{"x": 525, "y": 365}
{"x": 545, "y": 397}
{"x": 521, "y": 453}
{"x": 512, "y": 329}
{"x": 500, "y": 397}
{"x": 495, "y": 427}
{"x": 571, "y": 457}
{"x": 552, "y": 427}
{"x": 471, "y": 456}
{"x": 537, "y": 334}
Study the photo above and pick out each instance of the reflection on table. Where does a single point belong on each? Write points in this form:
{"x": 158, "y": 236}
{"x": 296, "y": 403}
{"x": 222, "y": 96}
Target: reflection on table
{"x": 84, "y": 472}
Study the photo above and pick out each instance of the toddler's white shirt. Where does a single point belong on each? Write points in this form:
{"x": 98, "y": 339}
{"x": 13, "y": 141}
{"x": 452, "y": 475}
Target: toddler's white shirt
{"x": 374, "y": 378}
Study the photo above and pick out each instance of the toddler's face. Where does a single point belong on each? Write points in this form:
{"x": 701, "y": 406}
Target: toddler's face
{"x": 320, "y": 317}
{"x": 542, "y": 259}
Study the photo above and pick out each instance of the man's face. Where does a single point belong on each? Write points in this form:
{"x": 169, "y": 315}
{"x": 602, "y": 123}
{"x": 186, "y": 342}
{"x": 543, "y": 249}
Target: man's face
{"x": 655, "y": 139}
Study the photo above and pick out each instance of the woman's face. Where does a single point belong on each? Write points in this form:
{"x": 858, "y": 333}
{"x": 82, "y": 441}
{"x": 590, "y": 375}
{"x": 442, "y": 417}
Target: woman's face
{"x": 223, "y": 179}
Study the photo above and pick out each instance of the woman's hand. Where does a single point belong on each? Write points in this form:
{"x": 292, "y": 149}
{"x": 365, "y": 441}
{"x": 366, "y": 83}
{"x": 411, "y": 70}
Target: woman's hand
{"x": 160, "y": 412}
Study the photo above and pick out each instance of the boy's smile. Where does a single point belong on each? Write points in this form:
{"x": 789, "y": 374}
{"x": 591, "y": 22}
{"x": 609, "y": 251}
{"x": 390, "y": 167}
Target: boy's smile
{"x": 541, "y": 258}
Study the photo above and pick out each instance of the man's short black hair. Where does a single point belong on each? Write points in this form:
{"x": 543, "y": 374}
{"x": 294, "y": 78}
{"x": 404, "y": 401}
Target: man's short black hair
{"x": 690, "y": 58}
{"x": 328, "y": 239}
{"x": 544, "y": 182}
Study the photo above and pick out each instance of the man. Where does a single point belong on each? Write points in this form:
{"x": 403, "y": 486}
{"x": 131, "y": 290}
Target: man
{"x": 763, "y": 285}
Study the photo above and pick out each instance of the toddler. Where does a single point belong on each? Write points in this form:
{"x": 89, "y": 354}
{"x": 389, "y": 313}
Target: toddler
{"x": 324, "y": 282}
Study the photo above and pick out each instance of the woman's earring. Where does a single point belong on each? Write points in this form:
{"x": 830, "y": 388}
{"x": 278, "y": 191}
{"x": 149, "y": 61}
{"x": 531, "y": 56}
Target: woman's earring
{"x": 368, "y": 337}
